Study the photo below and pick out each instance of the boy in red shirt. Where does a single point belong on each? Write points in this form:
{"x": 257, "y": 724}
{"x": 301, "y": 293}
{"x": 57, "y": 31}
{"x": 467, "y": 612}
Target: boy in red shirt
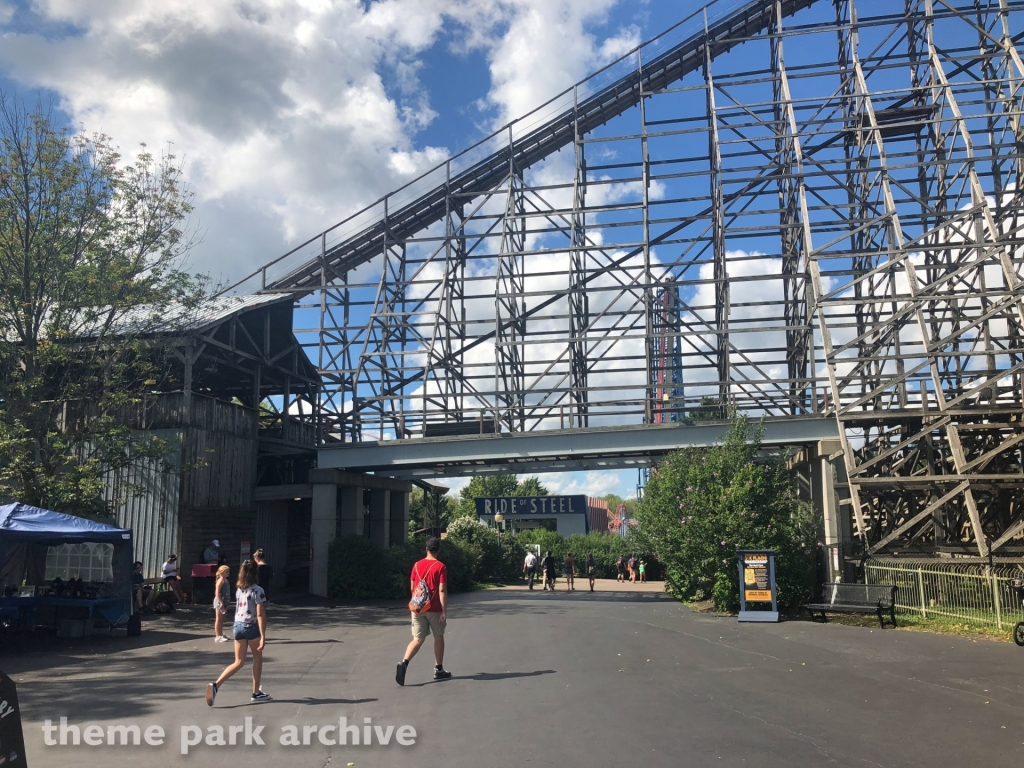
{"x": 433, "y": 619}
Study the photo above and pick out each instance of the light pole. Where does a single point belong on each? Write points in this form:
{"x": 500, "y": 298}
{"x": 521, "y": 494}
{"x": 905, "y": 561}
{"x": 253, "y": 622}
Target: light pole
{"x": 498, "y": 520}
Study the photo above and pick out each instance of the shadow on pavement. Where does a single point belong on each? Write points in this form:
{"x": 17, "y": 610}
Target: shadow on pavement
{"x": 314, "y": 701}
{"x": 486, "y": 676}
{"x": 307, "y": 701}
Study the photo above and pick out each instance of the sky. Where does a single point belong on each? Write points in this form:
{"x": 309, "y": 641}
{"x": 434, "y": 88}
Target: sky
{"x": 288, "y": 115}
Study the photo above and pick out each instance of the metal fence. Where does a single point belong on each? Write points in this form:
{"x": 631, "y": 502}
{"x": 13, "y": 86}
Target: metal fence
{"x": 970, "y": 592}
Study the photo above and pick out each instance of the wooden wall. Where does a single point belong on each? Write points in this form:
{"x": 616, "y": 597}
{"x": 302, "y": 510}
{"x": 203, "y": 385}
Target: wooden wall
{"x": 218, "y": 455}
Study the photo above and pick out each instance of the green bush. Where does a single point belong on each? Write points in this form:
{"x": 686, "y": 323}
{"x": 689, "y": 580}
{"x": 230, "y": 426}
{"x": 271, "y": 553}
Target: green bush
{"x": 512, "y": 556}
{"x": 462, "y": 561}
{"x": 702, "y": 505}
{"x": 490, "y": 565}
{"x": 359, "y": 569}
{"x": 355, "y": 569}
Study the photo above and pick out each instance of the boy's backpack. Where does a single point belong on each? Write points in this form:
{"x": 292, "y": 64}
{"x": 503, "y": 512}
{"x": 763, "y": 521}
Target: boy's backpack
{"x": 421, "y": 596}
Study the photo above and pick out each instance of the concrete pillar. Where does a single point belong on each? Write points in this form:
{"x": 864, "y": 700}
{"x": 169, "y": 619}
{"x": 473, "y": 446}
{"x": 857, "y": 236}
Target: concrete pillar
{"x": 322, "y": 529}
{"x": 380, "y": 517}
{"x": 350, "y": 502}
{"x": 400, "y": 517}
{"x": 827, "y": 501}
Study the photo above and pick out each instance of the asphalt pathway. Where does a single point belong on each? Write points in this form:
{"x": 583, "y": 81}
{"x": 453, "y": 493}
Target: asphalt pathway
{"x": 612, "y": 678}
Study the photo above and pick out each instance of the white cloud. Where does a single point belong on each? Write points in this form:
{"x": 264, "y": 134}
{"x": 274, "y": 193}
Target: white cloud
{"x": 543, "y": 48}
{"x": 279, "y": 107}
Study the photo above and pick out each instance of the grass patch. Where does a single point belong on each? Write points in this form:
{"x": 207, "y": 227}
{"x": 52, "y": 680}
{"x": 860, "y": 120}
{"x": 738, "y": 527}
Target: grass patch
{"x": 939, "y": 625}
{"x": 486, "y": 585}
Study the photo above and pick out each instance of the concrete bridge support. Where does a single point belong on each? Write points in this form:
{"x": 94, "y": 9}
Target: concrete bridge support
{"x": 339, "y": 510}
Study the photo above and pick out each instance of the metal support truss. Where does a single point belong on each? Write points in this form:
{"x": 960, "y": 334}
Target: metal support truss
{"x": 799, "y": 208}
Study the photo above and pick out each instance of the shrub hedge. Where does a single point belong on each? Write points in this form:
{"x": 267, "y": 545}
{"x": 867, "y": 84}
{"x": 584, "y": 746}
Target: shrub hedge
{"x": 359, "y": 569}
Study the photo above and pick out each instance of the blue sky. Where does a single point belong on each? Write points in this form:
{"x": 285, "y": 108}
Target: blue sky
{"x": 291, "y": 115}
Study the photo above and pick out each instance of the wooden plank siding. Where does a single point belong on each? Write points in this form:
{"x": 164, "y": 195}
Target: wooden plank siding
{"x": 219, "y": 450}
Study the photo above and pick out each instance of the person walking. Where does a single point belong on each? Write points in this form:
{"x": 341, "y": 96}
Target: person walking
{"x": 547, "y": 564}
{"x": 264, "y": 571}
{"x": 643, "y": 570}
{"x": 591, "y": 570}
{"x": 222, "y": 596}
{"x": 632, "y": 569}
{"x": 569, "y": 568}
{"x": 530, "y": 567}
{"x": 250, "y": 634}
{"x": 620, "y": 565}
{"x": 429, "y": 609}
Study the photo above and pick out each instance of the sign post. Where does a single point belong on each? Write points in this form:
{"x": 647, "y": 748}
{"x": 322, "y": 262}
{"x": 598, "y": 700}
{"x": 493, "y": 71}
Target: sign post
{"x": 757, "y": 584}
{"x": 12, "y": 742}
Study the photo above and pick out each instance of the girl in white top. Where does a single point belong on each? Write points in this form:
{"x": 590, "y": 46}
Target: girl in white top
{"x": 250, "y": 633}
{"x": 222, "y": 594}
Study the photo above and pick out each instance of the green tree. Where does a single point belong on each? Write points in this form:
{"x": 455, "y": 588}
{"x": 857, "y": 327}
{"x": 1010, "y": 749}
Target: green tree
{"x": 85, "y": 238}
{"x": 427, "y": 511}
{"x": 701, "y": 505}
{"x": 530, "y": 486}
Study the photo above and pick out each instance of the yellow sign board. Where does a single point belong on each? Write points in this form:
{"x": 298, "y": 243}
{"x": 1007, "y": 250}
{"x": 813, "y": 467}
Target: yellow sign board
{"x": 759, "y": 594}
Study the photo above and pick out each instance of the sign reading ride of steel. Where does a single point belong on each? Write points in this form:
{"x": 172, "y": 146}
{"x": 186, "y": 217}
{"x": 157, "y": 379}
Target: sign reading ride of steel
{"x": 532, "y": 505}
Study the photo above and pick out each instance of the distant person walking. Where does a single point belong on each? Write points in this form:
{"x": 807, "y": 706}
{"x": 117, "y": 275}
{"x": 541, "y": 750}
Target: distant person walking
{"x": 429, "y": 609}
{"x": 548, "y": 565}
{"x": 530, "y": 567}
{"x": 620, "y": 564}
{"x": 569, "y": 569}
{"x": 632, "y": 569}
{"x": 221, "y": 599}
{"x": 643, "y": 570}
{"x": 264, "y": 571}
{"x": 591, "y": 570}
{"x": 250, "y": 634}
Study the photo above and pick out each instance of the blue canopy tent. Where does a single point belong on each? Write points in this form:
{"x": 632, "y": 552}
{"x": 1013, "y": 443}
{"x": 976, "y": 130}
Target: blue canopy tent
{"x": 27, "y": 532}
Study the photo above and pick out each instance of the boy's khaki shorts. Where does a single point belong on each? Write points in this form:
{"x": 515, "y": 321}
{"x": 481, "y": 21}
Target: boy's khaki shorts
{"x": 424, "y": 624}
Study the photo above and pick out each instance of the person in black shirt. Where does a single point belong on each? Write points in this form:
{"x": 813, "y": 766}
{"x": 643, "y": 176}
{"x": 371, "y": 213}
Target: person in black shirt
{"x": 548, "y": 564}
{"x": 137, "y": 584}
{"x": 264, "y": 570}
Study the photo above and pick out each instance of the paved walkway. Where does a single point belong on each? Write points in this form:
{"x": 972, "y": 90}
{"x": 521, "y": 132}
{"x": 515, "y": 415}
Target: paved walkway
{"x": 600, "y": 585}
{"x": 565, "y": 679}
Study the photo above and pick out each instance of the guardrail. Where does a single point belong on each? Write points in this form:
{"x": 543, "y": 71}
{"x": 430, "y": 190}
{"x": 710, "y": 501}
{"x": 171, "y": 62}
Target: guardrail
{"x": 970, "y": 592}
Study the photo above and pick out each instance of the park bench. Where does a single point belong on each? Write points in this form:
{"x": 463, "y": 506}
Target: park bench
{"x": 878, "y": 599}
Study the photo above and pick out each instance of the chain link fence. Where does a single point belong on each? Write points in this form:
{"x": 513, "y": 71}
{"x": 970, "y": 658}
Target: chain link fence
{"x": 971, "y": 592}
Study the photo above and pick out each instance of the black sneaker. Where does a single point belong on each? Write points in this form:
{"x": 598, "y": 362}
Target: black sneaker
{"x": 211, "y": 694}
{"x": 260, "y": 696}
{"x": 440, "y": 673}
{"x": 400, "y": 673}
